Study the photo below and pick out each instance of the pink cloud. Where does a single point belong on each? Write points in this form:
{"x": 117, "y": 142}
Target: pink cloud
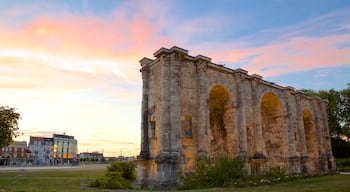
{"x": 68, "y": 48}
{"x": 292, "y": 55}
{"x": 93, "y": 47}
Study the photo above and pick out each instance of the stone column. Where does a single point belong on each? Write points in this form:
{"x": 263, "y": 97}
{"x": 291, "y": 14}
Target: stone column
{"x": 259, "y": 141}
{"x": 289, "y": 122}
{"x": 202, "y": 112}
{"x": 170, "y": 159}
{"x": 144, "y": 164}
{"x": 294, "y": 166}
{"x": 164, "y": 176}
{"x": 175, "y": 104}
{"x": 242, "y": 125}
{"x": 321, "y": 154}
{"x": 329, "y": 153}
{"x": 301, "y": 132}
{"x": 164, "y": 141}
{"x": 145, "y": 71}
{"x": 258, "y": 162}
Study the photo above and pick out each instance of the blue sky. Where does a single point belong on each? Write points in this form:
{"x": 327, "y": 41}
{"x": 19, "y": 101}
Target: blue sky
{"x": 72, "y": 66}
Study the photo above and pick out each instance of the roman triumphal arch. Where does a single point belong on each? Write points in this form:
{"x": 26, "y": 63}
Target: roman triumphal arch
{"x": 193, "y": 108}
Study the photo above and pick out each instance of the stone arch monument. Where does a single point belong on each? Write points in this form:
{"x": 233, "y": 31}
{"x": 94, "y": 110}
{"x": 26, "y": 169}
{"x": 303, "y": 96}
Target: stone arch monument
{"x": 193, "y": 108}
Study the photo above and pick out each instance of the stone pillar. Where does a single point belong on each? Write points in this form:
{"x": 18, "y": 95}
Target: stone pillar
{"x": 144, "y": 164}
{"x": 164, "y": 140}
{"x": 203, "y": 110}
{"x": 259, "y": 141}
{"x": 145, "y": 71}
{"x": 302, "y": 139}
{"x": 328, "y": 148}
{"x": 294, "y": 166}
{"x": 170, "y": 159}
{"x": 259, "y": 159}
{"x": 175, "y": 104}
{"x": 242, "y": 125}
{"x": 322, "y": 160}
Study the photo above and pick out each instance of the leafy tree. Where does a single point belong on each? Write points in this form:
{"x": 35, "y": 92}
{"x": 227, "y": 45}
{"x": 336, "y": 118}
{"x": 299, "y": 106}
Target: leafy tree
{"x": 346, "y": 110}
{"x": 8, "y": 125}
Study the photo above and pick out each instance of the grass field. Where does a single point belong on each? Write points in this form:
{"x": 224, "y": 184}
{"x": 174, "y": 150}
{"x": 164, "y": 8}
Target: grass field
{"x": 76, "y": 180}
{"x": 49, "y": 180}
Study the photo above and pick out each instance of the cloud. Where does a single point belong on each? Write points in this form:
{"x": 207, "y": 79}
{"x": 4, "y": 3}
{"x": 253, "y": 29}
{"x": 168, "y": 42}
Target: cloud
{"x": 315, "y": 43}
{"x": 293, "y": 55}
{"x": 89, "y": 44}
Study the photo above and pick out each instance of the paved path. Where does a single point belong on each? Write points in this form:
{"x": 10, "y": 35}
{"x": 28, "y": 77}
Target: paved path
{"x": 33, "y": 168}
{"x": 344, "y": 173}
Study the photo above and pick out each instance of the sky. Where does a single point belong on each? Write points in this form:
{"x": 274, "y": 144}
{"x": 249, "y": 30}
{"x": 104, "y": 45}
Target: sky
{"x": 73, "y": 66}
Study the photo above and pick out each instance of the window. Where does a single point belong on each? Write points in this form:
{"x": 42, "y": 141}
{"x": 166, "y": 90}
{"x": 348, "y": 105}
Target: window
{"x": 153, "y": 128}
{"x": 187, "y": 126}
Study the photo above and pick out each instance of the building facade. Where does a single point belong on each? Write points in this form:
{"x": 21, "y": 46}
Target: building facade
{"x": 65, "y": 148}
{"x": 90, "y": 157}
{"x": 42, "y": 150}
{"x": 193, "y": 108}
{"x": 16, "y": 153}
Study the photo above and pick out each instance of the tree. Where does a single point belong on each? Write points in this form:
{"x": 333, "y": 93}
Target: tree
{"x": 346, "y": 110}
{"x": 8, "y": 125}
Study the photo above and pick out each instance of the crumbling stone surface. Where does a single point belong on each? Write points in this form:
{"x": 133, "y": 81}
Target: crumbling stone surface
{"x": 193, "y": 108}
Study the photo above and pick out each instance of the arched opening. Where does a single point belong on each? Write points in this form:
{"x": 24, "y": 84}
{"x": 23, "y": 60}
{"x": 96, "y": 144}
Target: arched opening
{"x": 273, "y": 128}
{"x": 310, "y": 136}
{"x": 220, "y": 119}
{"x": 5, "y": 159}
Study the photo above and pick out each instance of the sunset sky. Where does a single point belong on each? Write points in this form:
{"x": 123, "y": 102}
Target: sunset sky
{"x": 72, "y": 66}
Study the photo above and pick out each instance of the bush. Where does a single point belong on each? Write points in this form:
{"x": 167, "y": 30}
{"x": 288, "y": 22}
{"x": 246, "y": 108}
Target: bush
{"x": 224, "y": 172}
{"x": 230, "y": 172}
{"x": 112, "y": 180}
{"x": 227, "y": 170}
{"x": 120, "y": 175}
{"x": 127, "y": 169}
{"x": 343, "y": 164}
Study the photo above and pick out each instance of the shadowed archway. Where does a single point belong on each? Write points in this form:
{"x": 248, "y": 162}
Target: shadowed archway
{"x": 310, "y": 136}
{"x": 273, "y": 126}
{"x": 220, "y": 119}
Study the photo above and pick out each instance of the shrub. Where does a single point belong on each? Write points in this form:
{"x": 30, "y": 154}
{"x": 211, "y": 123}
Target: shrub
{"x": 120, "y": 175}
{"x": 343, "y": 164}
{"x": 127, "y": 169}
{"x": 224, "y": 172}
{"x": 112, "y": 180}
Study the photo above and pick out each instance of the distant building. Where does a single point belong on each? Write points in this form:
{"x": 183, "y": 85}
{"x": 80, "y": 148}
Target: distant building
{"x": 42, "y": 150}
{"x": 65, "y": 148}
{"x": 57, "y": 150}
{"x": 93, "y": 156}
{"x": 16, "y": 153}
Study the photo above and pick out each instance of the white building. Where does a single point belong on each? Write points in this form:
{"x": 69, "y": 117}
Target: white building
{"x": 65, "y": 148}
{"x": 42, "y": 150}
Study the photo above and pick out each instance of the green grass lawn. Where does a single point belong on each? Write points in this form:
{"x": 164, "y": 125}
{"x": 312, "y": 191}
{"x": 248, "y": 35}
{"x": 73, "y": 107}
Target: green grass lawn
{"x": 76, "y": 180}
{"x": 49, "y": 180}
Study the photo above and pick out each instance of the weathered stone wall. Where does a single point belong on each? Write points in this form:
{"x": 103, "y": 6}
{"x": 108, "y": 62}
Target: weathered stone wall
{"x": 193, "y": 108}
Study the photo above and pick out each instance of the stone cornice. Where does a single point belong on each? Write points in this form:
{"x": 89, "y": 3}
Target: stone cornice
{"x": 167, "y": 51}
{"x": 244, "y": 74}
{"x": 145, "y": 61}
